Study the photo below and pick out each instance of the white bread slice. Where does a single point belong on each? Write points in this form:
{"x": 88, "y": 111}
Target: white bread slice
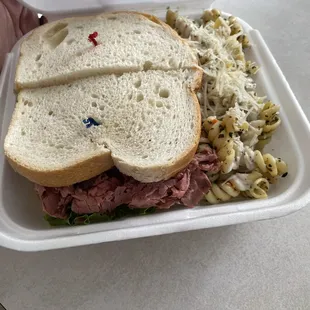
{"x": 149, "y": 127}
{"x": 59, "y": 52}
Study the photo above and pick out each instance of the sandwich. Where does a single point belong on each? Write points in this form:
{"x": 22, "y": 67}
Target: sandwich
{"x": 107, "y": 121}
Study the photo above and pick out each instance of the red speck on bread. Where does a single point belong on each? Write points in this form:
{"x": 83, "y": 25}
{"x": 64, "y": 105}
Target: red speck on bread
{"x": 92, "y": 38}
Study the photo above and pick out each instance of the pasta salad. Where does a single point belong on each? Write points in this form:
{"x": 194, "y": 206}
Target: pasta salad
{"x": 237, "y": 123}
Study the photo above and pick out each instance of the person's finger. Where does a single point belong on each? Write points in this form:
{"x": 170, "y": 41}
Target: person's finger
{"x": 43, "y": 20}
{"x": 7, "y": 33}
{"x": 16, "y": 21}
{"x": 28, "y": 20}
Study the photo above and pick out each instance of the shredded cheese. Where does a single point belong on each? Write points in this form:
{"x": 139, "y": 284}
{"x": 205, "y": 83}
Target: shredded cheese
{"x": 222, "y": 61}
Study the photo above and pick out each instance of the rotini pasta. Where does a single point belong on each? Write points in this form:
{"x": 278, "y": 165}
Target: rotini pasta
{"x": 269, "y": 114}
{"x": 237, "y": 123}
{"x": 258, "y": 190}
{"x": 208, "y": 15}
{"x": 171, "y": 18}
{"x": 251, "y": 67}
{"x": 221, "y": 135}
{"x": 221, "y": 193}
{"x": 251, "y": 185}
{"x": 271, "y": 167}
{"x": 221, "y": 141}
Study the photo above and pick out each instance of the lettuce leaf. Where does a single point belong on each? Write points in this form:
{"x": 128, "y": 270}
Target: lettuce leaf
{"x": 85, "y": 219}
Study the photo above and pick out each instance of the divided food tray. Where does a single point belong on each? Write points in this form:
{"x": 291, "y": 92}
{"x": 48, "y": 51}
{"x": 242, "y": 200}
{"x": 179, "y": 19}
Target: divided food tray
{"x": 23, "y": 228}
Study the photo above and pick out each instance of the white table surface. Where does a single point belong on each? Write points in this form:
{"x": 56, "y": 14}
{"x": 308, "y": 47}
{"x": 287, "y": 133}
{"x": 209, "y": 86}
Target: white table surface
{"x": 263, "y": 265}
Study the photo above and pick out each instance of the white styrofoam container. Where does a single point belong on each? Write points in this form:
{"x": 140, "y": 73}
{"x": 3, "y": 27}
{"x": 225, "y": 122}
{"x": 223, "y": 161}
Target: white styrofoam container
{"x": 21, "y": 220}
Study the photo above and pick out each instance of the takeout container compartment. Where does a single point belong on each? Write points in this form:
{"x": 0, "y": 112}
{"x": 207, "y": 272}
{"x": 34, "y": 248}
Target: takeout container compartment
{"x": 22, "y": 226}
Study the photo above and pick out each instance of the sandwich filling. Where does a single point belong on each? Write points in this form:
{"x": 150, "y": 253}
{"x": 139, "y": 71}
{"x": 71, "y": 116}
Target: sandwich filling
{"x": 112, "y": 189}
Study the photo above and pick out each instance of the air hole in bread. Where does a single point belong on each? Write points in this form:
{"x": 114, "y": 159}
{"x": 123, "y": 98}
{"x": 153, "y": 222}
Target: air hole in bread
{"x": 164, "y": 93}
{"x": 192, "y": 125}
{"x": 112, "y": 18}
{"x": 50, "y": 113}
{"x": 69, "y": 42}
{"x": 53, "y": 40}
{"x": 146, "y": 53}
{"x": 101, "y": 107}
{"x": 116, "y": 125}
{"x": 151, "y": 102}
{"x": 128, "y": 136}
{"x": 159, "y": 104}
{"x": 23, "y": 132}
{"x": 170, "y": 158}
{"x": 60, "y": 146}
{"x": 156, "y": 89}
{"x": 147, "y": 65}
{"x": 28, "y": 103}
{"x": 130, "y": 96}
{"x": 168, "y": 106}
{"x": 88, "y": 65}
{"x": 39, "y": 64}
{"x": 51, "y": 144}
{"x": 94, "y": 104}
{"x": 140, "y": 97}
{"x": 79, "y": 27}
{"x": 23, "y": 113}
{"x": 55, "y": 29}
{"x": 137, "y": 83}
{"x": 119, "y": 35}
{"x": 145, "y": 156}
{"x": 173, "y": 62}
{"x": 94, "y": 96}
{"x": 79, "y": 54}
{"x": 137, "y": 31}
{"x": 38, "y": 57}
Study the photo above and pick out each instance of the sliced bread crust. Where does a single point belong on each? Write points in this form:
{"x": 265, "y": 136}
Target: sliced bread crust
{"x": 106, "y": 155}
{"x": 59, "y": 52}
